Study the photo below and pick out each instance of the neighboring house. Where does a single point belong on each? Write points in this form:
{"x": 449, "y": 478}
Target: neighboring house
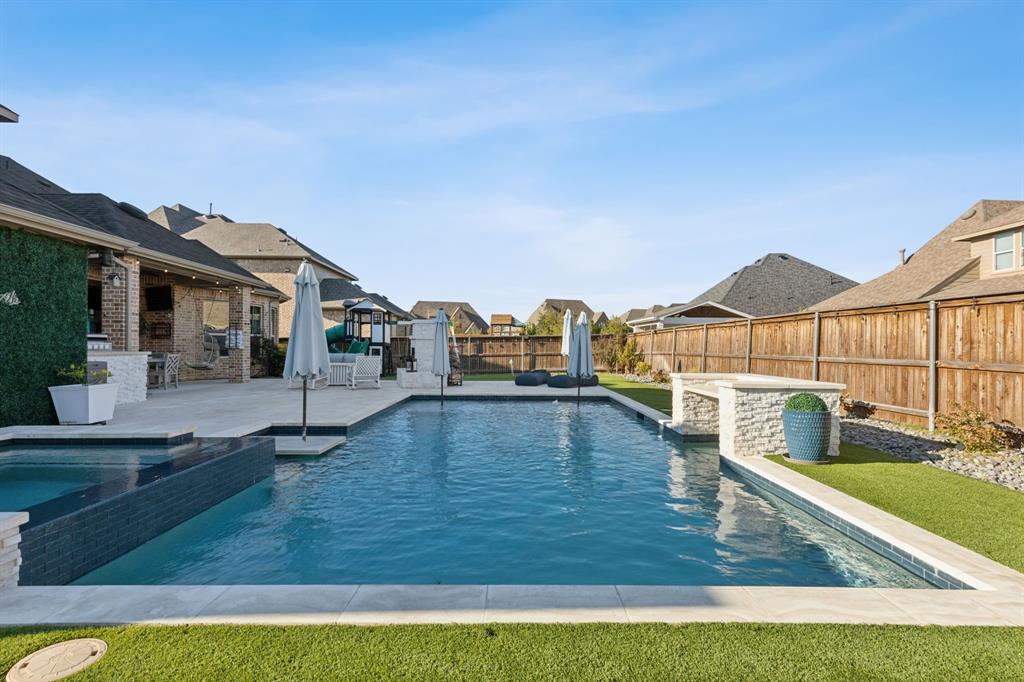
{"x": 142, "y": 288}
{"x": 506, "y": 325}
{"x": 981, "y": 253}
{"x": 775, "y": 284}
{"x": 464, "y": 318}
{"x": 559, "y": 305}
{"x": 7, "y": 116}
{"x": 598, "y": 319}
{"x": 264, "y": 249}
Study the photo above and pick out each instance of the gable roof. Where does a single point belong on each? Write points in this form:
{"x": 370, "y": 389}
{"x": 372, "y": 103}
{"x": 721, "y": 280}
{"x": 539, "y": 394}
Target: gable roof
{"x": 505, "y": 319}
{"x": 240, "y": 240}
{"x": 559, "y": 305}
{"x": 942, "y": 267}
{"x": 774, "y": 284}
{"x": 332, "y": 289}
{"x": 425, "y": 310}
{"x": 25, "y": 189}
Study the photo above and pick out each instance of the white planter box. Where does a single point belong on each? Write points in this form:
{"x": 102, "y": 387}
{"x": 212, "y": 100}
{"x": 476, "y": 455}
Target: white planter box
{"x": 77, "y": 404}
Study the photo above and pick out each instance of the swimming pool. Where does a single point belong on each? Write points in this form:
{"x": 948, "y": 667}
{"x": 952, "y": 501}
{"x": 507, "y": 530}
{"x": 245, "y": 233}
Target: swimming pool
{"x": 31, "y": 474}
{"x": 490, "y": 492}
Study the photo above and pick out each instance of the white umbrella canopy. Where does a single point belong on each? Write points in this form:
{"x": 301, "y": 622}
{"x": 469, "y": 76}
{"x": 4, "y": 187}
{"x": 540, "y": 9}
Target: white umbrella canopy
{"x": 307, "y": 357}
{"x": 567, "y": 332}
{"x": 442, "y": 362}
{"x": 581, "y": 359}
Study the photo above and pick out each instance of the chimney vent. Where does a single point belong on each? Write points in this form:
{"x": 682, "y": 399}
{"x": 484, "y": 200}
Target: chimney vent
{"x": 903, "y": 256}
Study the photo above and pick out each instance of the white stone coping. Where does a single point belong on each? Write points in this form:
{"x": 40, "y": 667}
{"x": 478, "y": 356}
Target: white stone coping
{"x": 997, "y": 600}
{"x": 757, "y": 381}
{"x": 86, "y": 432}
{"x": 10, "y": 520}
{"x": 394, "y": 604}
{"x": 708, "y": 390}
{"x": 117, "y": 353}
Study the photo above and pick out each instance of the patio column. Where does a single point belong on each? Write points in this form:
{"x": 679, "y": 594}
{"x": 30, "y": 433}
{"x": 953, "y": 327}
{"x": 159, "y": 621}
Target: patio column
{"x": 120, "y": 304}
{"x": 239, "y": 301}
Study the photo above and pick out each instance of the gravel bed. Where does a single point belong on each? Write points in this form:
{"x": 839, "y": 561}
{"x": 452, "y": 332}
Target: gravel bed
{"x": 646, "y": 379}
{"x": 1005, "y": 468}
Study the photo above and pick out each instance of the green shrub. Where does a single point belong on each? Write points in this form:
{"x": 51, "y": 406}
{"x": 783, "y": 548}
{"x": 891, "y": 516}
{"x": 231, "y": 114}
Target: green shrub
{"x": 643, "y": 367}
{"x": 971, "y": 427}
{"x": 629, "y": 357}
{"x": 805, "y": 402}
{"x": 77, "y": 373}
{"x": 660, "y": 376}
{"x": 45, "y": 329}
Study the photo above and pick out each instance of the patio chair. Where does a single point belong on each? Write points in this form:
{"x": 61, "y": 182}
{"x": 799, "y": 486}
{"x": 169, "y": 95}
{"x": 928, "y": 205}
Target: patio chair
{"x": 365, "y": 371}
{"x": 163, "y": 373}
{"x": 210, "y": 356}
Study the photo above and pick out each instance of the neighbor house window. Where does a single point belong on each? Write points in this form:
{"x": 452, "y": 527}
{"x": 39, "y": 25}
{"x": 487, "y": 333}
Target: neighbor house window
{"x": 1003, "y": 248}
{"x": 215, "y": 322}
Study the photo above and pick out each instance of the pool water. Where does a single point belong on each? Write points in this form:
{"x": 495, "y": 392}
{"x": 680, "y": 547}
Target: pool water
{"x": 31, "y": 474}
{"x": 495, "y": 492}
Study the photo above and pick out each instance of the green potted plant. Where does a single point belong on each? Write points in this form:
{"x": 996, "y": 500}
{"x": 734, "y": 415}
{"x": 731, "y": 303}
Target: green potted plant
{"x": 84, "y": 396}
{"x": 807, "y": 424}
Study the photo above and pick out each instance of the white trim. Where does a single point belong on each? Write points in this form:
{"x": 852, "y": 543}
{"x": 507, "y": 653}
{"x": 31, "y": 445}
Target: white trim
{"x": 1012, "y": 251}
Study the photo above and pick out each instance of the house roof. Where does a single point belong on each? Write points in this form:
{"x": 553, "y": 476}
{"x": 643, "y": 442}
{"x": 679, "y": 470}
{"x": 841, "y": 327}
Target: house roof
{"x": 774, "y": 284}
{"x": 505, "y": 318}
{"x": 23, "y": 188}
{"x": 559, "y": 305}
{"x": 427, "y": 309}
{"x": 942, "y": 267}
{"x": 332, "y": 289}
{"x": 240, "y": 240}
{"x": 7, "y": 116}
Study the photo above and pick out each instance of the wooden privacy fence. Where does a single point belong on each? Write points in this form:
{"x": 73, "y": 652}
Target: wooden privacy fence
{"x": 903, "y": 362}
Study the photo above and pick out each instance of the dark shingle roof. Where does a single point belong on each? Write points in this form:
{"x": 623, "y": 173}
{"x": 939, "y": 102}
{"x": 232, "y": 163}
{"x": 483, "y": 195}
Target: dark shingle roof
{"x": 775, "y": 284}
{"x": 340, "y": 289}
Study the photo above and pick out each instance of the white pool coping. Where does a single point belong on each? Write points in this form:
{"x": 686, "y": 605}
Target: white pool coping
{"x": 998, "y": 597}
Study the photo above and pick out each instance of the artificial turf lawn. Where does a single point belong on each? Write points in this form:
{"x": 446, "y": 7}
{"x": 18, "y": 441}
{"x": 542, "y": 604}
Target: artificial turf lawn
{"x": 981, "y": 516}
{"x": 648, "y": 394}
{"x": 542, "y": 652}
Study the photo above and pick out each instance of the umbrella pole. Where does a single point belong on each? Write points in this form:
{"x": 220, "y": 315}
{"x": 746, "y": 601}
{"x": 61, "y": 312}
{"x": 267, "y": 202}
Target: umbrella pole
{"x": 304, "y": 380}
{"x": 577, "y": 391}
{"x": 443, "y": 379}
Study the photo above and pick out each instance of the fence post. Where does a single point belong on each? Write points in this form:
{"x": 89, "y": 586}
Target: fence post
{"x": 933, "y": 369}
{"x": 816, "y": 347}
{"x": 704, "y": 350}
{"x": 675, "y": 337}
{"x": 750, "y": 342}
{"x": 651, "y": 356}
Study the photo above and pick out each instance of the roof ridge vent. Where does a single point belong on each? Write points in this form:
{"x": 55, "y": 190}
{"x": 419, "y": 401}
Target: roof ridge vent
{"x": 132, "y": 210}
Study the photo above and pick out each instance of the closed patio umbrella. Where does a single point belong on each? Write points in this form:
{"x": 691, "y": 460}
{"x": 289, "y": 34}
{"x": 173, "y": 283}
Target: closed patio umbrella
{"x": 581, "y": 356}
{"x": 567, "y": 332}
{"x": 442, "y": 364}
{"x": 307, "y": 355}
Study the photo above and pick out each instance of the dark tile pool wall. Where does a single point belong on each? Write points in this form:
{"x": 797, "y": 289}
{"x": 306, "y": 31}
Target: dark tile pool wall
{"x": 911, "y": 563}
{"x": 61, "y": 550}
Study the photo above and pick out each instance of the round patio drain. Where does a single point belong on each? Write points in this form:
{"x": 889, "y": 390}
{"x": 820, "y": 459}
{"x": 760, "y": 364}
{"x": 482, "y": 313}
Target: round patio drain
{"x": 57, "y": 661}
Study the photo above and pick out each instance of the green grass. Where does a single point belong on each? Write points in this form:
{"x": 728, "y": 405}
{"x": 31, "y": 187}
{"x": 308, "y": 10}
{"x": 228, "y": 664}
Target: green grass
{"x": 648, "y": 394}
{"x": 981, "y": 516}
{"x": 542, "y": 652}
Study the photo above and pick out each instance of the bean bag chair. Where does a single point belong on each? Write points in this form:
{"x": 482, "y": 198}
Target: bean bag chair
{"x": 534, "y": 378}
{"x": 566, "y": 381}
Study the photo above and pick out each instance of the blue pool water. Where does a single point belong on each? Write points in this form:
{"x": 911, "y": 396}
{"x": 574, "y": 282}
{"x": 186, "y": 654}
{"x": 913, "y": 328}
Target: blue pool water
{"x": 505, "y": 492}
{"x": 31, "y": 474}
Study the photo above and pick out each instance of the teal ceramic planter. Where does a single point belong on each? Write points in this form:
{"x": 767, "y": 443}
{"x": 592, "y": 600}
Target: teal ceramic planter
{"x": 807, "y": 435}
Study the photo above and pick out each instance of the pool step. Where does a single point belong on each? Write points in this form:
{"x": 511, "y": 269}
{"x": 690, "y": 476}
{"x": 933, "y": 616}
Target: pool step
{"x": 313, "y": 446}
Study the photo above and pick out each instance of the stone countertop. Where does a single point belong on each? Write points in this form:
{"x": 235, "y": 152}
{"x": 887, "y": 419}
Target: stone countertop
{"x": 118, "y": 352}
{"x": 757, "y": 381}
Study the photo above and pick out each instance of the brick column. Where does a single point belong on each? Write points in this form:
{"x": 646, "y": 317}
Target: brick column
{"x": 116, "y": 299}
{"x": 238, "y": 359}
{"x": 10, "y": 555}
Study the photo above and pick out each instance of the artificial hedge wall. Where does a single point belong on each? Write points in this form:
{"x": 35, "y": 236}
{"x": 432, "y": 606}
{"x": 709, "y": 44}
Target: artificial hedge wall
{"x": 45, "y": 329}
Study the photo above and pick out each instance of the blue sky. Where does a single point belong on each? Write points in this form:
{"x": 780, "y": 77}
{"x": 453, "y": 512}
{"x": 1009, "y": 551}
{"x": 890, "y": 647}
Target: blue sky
{"x": 626, "y": 154}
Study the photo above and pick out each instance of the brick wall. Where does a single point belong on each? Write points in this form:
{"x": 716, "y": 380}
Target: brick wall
{"x": 114, "y": 300}
{"x": 68, "y": 547}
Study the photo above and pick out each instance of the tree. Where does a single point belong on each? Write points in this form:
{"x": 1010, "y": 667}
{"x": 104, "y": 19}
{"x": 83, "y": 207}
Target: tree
{"x": 549, "y": 324}
{"x": 614, "y": 326}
